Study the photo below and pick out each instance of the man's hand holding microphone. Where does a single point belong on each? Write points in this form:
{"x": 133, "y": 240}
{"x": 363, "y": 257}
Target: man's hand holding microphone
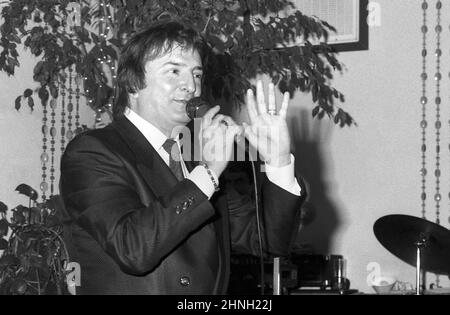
{"x": 267, "y": 130}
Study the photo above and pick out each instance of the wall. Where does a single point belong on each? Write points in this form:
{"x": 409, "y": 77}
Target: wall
{"x": 360, "y": 174}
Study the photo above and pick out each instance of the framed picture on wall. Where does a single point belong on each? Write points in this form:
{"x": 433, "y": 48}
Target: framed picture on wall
{"x": 349, "y": 17}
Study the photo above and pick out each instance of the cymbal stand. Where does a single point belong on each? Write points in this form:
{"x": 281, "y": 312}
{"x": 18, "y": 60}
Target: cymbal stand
{"x": 420, "y": 244}
{"x": 276, "y": 276}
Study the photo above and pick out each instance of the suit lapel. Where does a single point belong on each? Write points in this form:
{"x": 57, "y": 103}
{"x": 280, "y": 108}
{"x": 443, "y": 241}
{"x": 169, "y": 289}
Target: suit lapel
{"x": 152, "y": 167}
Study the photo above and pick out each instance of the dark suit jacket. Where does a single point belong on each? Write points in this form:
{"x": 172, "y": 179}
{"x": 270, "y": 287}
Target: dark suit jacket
{"x": 132, "y": 226}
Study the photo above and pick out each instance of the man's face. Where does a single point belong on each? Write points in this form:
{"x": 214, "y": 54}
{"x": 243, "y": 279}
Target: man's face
{"x": 171, "y": 80}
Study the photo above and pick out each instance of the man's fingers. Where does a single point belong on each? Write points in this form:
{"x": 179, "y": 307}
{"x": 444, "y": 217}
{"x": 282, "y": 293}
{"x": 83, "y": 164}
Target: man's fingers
{"x": 207, "y": 118}
{"x": 216, "y": 126}
{"x": 208, "y": 132}
{"x": 250, "y": 135}
{"x": 223, "y": 119}
{"x": 217, "y": 120}
{"x": 260, "y": 98}
{"x": 251, "y": 106}
{"x": 271, "y": 106}
{"x": 234, "y": 131}
{"x": 224, "y": 125}
{"x": 284, "y": 105}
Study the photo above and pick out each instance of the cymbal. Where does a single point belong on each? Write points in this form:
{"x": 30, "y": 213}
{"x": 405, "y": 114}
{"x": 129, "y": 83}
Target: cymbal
{"x": 399, "y": 234}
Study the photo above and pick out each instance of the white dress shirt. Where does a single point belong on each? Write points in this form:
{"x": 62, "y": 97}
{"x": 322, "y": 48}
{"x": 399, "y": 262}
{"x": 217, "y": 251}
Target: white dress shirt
{"x": 280, "y": 176}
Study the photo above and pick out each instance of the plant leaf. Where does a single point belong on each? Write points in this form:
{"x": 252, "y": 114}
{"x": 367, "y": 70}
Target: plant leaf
{"x": 26, "y": 190}
{"x": 8, "y": 260}
{"x": 31, "y": 103}
{"x": 53, "y": 90}
{"x": 19, "y": 215}
{"x": 3, "y": 244}
{"x": 27, "y": 93}
{"x": 17, "y": 102}
{"x": 3, "y": 208}
{"x": 19, "y": 286}
{"x": 315, "y": 111}
{"x": 43, "y": 94}
{"x": 4, "y": 226}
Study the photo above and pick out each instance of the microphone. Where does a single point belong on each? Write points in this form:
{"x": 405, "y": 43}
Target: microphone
{"x": 196, "y": 107}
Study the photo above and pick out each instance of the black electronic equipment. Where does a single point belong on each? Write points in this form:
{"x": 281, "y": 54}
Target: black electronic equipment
{"x": 317, "y": 271}
{"x": 299, "y": 274}
{"x": 245, "y": 276}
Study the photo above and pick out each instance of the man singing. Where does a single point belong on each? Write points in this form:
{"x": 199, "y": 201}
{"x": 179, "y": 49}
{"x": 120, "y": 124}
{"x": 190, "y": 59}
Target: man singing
{"x": 143, "y": 220}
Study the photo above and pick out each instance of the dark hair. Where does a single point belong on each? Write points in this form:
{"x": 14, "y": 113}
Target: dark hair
{"x": 156, "y": 40}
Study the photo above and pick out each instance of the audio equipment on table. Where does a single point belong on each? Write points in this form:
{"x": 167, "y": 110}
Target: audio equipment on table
{"x": 299, "y": 274}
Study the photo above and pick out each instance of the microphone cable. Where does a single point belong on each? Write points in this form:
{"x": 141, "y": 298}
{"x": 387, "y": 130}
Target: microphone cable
{"x": 258, "y": 224}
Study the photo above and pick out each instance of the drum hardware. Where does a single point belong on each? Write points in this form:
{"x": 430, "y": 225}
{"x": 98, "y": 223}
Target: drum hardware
{"x": 418, "y": 242}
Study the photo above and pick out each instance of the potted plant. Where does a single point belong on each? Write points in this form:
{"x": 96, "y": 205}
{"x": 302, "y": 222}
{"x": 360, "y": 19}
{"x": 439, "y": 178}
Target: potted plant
{"x": 34, "y": 258}
{"x": 247, "y": 38}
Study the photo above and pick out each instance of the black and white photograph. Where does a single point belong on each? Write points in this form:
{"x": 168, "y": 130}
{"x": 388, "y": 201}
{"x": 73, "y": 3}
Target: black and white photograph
{"x": 226, "y": 153}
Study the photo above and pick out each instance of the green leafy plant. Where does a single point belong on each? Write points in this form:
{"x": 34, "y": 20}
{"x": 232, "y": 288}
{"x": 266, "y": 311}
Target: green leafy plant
{"x": 247, "y": 37}
{"x": 35, "y": 254}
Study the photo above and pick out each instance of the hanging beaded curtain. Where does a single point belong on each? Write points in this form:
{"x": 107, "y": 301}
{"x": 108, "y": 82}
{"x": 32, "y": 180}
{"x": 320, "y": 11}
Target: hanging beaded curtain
{"x": 44, "y": 156}
{"x": 431, "y": 105}
{"x": 47, "y": 185}
{"x": 65, "y": 109}
{"x": 424, "y": 101}
{"x": 438, "y": 125}
{"x": 105, "y": 30}
{"x": 431, "y": 101}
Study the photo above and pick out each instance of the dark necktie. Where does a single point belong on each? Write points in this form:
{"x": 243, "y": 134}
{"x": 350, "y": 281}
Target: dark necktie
{"x": 171, "y": 147}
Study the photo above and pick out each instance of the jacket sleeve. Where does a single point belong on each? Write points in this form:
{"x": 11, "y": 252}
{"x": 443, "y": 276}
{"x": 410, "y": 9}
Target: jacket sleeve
{"x": 279, "y": 219}
{"x": 100, "y": 196}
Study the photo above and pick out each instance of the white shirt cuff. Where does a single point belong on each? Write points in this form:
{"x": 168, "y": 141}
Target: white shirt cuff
{"x": 201, "y": 178}
{"x": 284, "y": 177}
